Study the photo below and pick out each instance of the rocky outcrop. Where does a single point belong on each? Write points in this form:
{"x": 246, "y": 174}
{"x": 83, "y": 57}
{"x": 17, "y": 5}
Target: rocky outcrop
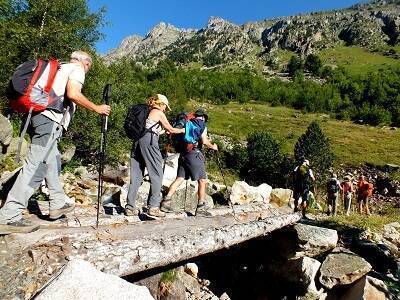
{"x": 281, "y": 197}
{"x": 6, "y": 131}
{"x": 222, "y": 42}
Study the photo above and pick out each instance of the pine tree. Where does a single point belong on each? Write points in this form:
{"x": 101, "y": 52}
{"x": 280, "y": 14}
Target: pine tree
{"x": 315, "y": 146}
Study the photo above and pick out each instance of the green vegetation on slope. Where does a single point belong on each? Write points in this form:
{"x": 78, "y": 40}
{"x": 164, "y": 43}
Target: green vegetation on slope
{"x": 357, "y": 60}
{"x": 351, "y": 143}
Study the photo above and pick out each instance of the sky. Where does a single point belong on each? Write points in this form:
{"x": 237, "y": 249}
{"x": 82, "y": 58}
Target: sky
{"x": 129, "y": 17}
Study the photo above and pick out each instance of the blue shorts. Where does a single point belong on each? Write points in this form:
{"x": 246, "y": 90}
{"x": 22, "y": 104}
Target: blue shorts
{"x": 192, "y": 165}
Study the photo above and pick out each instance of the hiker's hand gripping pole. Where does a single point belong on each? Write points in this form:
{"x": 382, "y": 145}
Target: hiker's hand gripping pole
{"x": 104, "y": 124}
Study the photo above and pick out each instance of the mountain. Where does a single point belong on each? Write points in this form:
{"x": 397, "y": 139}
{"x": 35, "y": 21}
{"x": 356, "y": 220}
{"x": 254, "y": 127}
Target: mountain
{"x": 370, "y": 25}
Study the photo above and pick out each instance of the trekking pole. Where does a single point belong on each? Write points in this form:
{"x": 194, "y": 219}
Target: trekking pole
{"x": 104, "y": 123}
{"x": 223, "y": 179}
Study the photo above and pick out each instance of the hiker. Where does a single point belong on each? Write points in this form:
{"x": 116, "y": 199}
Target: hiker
{"x": 333, "y": 187}
{"x": 146, "y": 153}
{"x": 191, "y": 164}
{"x": 45, "y": 132}
{"x": 347, "y": 193}
{"x": 303, "y": 179}
{"x": 364, "y": 192}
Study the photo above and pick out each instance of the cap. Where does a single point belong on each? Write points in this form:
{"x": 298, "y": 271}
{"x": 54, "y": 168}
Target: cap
{"x": 164, "y": 100}
{"x": 306, "y": 162}
{"x": 201, "y": 113}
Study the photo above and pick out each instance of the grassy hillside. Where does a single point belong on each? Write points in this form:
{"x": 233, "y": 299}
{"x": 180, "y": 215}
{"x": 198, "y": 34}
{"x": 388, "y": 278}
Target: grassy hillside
{"x": 357, "y": 60}
{"x": 352, "y": 143}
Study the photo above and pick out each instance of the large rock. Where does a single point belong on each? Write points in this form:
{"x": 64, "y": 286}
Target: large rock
{"x": 281, "y": 197}
{"x": 341, "y": 268}
{"x": 67, "y": 154}
{"x": 367, "y": 288}
{"x": 391, "y": 232}
{"x": 13, "y": 147}
{"x": 6, "y": 131}
{"x": 242, "y": 193}
{"x": 300, "y": 272}
{"x": 81, "y": 280}
{"x": 170, "y": 169}
{"x": 313, "y": 240}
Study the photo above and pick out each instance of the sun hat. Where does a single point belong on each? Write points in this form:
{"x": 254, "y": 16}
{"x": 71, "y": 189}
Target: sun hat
{"x": 164, "y": 100}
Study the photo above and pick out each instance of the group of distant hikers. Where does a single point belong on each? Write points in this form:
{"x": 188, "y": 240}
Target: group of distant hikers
{"x": 304, "y": 188}
{"x": 48, "y": 91}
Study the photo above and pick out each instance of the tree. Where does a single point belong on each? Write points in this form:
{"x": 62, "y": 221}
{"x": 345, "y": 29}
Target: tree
{"x": 295, "y": 65}
{"x": 265, "y": 158}
{"x": 315, "y": 146}
{"x": 313, "y": 64}
{"x": 45, "y": 28}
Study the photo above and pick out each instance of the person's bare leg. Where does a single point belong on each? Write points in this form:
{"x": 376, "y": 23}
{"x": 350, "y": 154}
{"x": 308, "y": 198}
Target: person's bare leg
{"x": 367, "y": 207}
{"x": 201, "y": 192}
{"x": 174, "y": 186}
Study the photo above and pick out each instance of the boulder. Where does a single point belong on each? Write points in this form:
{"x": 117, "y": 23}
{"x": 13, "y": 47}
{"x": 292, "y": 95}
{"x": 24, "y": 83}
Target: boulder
{"x": 242, "y": 193}
{"x": 170, "y": 169}
{"x": 313, "y": 240}
{"x": 12, "y": 148}
{"x": 300, "y": 272}
{"x": 391, "y": 232}
{"x": 67, "y": 154}
{"x": 81, "y": 280}
{"x": 341, "y": 268}
{"x": 6, "y": 131}
{"x": 117, "y": 175}
{"x": 281, "y": 197}
{"x": 192, "y": 269}
{"x": 367, "y": 288}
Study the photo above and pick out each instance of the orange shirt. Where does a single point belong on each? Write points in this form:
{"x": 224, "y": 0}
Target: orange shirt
{"x": 363, "y": 188}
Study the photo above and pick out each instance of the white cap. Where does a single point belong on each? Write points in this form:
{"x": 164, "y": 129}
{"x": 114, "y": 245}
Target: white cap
{"x": 164, "y": 100}
{"x": 306, "y": 162}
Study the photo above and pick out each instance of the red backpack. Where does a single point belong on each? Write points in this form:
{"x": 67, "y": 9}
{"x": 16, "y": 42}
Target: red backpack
{"x": 30, "y": 87}
{"x": 30, "y": 90}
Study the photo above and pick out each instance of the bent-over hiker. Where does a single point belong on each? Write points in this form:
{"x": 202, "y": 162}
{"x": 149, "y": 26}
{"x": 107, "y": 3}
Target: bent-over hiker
{"x": 43, "y": 158}
{"x": 146, "y": 153}
{"x": 303, "y": 179}
{"x": 191, "y": 164}
{"x": 333, "y": 187}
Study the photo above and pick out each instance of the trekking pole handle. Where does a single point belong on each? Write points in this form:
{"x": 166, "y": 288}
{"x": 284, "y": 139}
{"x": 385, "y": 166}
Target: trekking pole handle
{"x": 107, "y": 93}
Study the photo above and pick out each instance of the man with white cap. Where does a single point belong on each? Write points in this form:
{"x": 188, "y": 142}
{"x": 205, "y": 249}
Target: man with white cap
{"x": 303, "y": 179}
{"x": 146, "y": 153}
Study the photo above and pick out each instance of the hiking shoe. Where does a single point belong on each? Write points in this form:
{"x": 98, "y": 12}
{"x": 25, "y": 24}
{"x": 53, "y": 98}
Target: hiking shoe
{"x": 166, "y": 206}
{"x": 131, "y": 212}
{"x": 155, "y": 212}
{"x": 20, "y": 226}
{"x": 201, "y": 209}
{"x": 57, "y": 213}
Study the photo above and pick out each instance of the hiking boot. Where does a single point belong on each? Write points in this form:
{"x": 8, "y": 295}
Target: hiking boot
{"x": 57, "y": 213}
{"x": 201, "y": 209}
{"x": 166, "y": 206}
{"x": 131, "y": 212}
{"x": 20, "y": 226}
{"x": 155, "y": 212}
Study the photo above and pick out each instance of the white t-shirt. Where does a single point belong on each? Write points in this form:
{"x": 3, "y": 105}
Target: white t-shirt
{"x": 68, "y": 71}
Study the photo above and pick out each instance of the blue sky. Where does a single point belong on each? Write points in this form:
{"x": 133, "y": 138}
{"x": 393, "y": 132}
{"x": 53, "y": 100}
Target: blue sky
{"x": 128, "y": 17}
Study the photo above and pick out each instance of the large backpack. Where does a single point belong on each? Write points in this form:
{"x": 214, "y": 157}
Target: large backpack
{"x": 332, "y": 186}
{"x": 302, "y": 178}
{"x": 30, "y": 88}
{"x": 194, "y": 128}
{"x": 135, "y": 121}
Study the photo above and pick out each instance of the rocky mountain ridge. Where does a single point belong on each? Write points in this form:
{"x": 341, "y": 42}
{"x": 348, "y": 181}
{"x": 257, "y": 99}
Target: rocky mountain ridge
{"x": 371, "y": 25}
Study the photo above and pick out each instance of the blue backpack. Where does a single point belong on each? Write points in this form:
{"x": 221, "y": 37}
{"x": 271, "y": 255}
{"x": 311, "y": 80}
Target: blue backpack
{"x": 194, "y": 128}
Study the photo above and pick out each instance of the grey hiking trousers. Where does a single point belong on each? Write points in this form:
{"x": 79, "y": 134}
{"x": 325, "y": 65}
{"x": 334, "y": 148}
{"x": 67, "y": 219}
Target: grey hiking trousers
{"x": 43, "y": 133}
{"x": 146, "y": 153}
